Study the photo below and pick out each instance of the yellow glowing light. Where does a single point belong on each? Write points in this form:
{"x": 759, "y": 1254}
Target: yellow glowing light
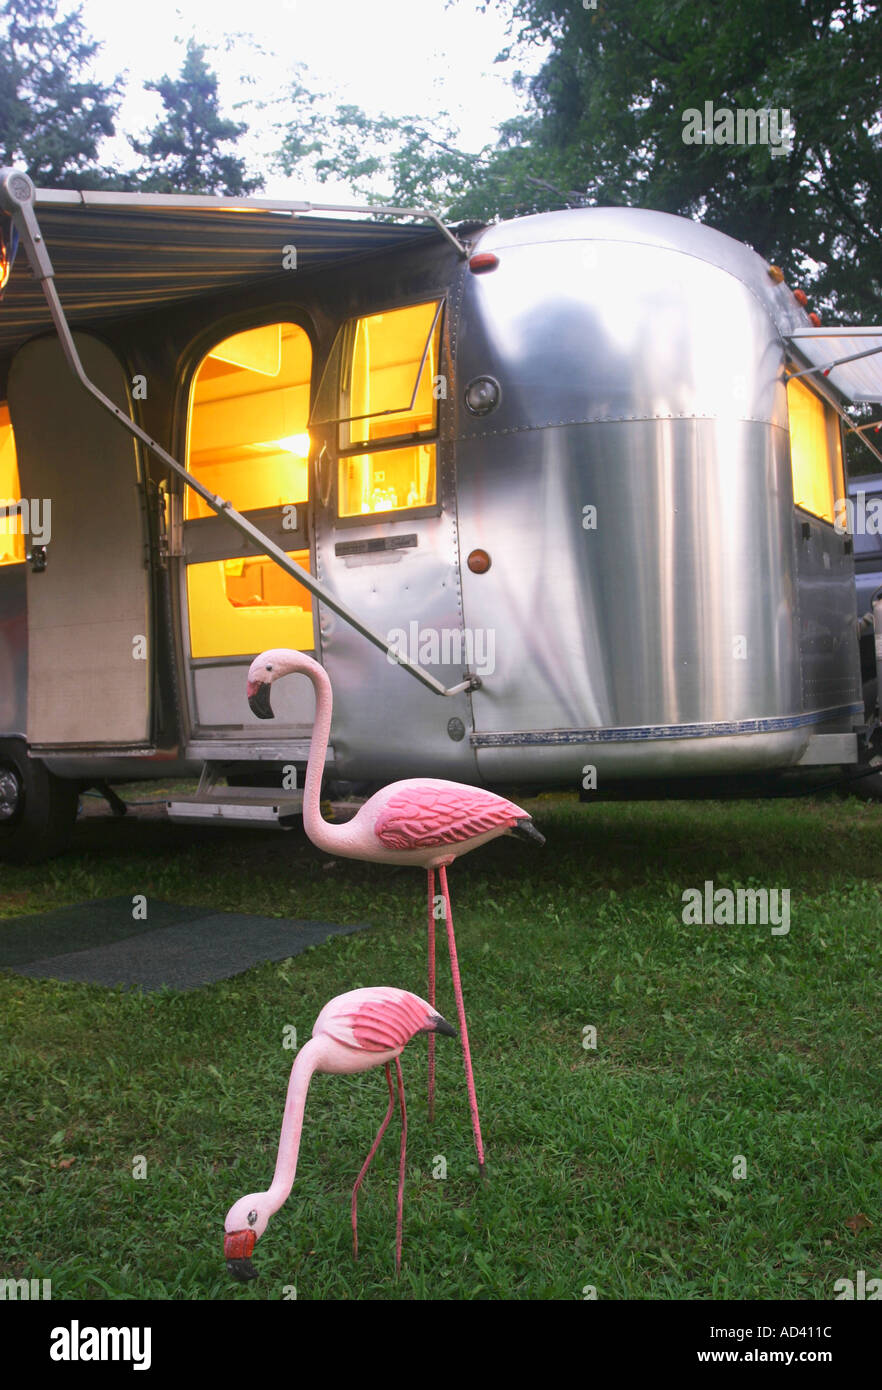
{"x": 12, "y": 541}
{"x": 296, "y": 444}
{"x": 815, "y": 452}
{"x": 256, "y": 350}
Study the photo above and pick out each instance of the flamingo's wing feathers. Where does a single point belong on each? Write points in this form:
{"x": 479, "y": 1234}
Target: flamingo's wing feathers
{"x": 420, "y": 817}
{"x": 380, "y": 1024}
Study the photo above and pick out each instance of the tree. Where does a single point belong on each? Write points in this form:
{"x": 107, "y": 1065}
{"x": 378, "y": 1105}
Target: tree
{"x": 604, "y": 125}
{"x": 52, "y": 119}
{"x": 608, "y": 110}
{"x": 183, "y": 153}
{"x": 411, "y": 161}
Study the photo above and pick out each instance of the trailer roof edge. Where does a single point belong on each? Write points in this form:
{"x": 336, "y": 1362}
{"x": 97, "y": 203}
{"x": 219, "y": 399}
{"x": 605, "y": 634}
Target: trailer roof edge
{"x": 192, "y": 202}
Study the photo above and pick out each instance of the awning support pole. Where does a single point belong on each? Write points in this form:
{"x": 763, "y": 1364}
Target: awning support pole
{"x": 840, "y": 361}
{"x": 17, "y": 197}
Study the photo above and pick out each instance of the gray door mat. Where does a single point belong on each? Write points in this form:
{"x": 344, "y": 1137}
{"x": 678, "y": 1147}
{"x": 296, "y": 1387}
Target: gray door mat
{"x": 176, "y": 946}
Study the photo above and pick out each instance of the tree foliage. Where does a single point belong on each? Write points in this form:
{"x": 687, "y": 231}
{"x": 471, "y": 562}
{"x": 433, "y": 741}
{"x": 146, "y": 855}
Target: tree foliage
{"x": 410, "y": 161}
{"x": 186, "y": 152}
{"x": 607, "y": 119}
{"x": 53, "y": 117}
{"x": 604, "y": 125}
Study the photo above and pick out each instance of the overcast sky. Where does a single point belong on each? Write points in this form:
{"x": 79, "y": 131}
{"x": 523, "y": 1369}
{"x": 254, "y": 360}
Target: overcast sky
{"x": 393, "y": 57}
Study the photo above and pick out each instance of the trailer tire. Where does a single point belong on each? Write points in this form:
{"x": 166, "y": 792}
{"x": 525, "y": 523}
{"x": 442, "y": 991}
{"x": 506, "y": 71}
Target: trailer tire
{"x": 37, "y": 810}
{"x": 870, "y": 788}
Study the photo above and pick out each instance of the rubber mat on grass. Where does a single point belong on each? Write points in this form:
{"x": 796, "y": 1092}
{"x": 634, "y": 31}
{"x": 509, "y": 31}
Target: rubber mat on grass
{"x": 176, "y": 946}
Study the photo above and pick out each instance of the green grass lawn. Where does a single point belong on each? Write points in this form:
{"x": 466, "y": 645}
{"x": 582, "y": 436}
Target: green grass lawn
{"x": 610, "y": 1168}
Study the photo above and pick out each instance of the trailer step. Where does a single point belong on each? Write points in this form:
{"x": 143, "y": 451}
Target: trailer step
{"x": 258, "y": 807}
{"x": 249, "y": 806}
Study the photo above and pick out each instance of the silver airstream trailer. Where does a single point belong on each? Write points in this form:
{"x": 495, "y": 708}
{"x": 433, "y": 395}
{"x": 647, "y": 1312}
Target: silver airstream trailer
{"x": 553, "y": 501}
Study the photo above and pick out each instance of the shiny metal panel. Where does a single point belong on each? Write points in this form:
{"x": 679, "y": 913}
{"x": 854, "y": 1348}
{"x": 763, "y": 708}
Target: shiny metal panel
{"x": 385, "y": 724}
{"x": 669, "y": 758}
{"x": 221, "y": 704}
{"x": 828, "y": 647}
{"x": 595, "y": 330}
{"x": 633, "y": 490}
{"x": 636, "y": 227}
{"x": 677, "y": 609}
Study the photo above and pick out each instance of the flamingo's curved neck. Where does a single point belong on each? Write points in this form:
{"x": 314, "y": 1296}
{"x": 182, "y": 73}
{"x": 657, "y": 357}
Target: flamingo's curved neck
{"x": 317, "y": 828}
{"x": 305, "y": 1063}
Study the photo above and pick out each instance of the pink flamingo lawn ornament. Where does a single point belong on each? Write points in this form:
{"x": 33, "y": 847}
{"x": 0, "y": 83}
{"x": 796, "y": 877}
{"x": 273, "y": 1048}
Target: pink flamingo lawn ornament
{"x": 421, "y": 821}
{"x": 354, "y": 1032}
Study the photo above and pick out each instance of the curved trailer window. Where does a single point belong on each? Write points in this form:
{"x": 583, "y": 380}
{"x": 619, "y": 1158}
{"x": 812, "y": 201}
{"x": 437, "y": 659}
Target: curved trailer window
{"x": 247, "y": 441}
{"x": 815, "y": 452}
{"x": 12, "y": 541}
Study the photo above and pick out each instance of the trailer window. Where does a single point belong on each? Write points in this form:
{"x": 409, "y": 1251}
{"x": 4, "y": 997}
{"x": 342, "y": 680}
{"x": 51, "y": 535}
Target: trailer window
{"x": 12, "y": 542}
{"x": 242, "y": 606}
{"x": 249, "y": 406}
{"x": 815, "y": 452}
{"x": 381, "y": 388}
{"x": 247, "y": 441}
{"x": 390, "y": 481}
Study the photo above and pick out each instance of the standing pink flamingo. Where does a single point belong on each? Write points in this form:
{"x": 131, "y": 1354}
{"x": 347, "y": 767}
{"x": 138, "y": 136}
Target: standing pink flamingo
{"x": 354, "y": 1032}
{"x": 422, "y": 821}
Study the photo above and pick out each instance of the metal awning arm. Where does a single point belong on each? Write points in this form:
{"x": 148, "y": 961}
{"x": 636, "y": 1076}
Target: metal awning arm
{"x": 870, "y": 425}
{"x": 17, "y": 197}
{"x": 840, "y": 361}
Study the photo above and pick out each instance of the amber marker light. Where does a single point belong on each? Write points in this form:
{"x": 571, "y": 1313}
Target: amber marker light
{"x": 478, "y": 562}
{"x": 776, "y": 274}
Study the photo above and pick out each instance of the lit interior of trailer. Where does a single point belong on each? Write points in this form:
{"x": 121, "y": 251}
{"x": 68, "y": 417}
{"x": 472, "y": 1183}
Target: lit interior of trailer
{"x": 12, "y": 543}
{"x": 815, "y": 452}
{"x": 381, "y": 386}
{"x": 247, "y": 441}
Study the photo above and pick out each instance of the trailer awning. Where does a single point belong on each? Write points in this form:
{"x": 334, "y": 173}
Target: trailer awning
{"x": 859, "y": 378}
{"x": 114, "y": 261}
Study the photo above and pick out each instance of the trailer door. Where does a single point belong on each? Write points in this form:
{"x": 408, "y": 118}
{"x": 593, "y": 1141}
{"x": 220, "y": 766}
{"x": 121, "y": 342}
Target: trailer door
{"x": 247, "y": 441}
{"x": 386, "y": 544}
{"x": 89, "y": 662}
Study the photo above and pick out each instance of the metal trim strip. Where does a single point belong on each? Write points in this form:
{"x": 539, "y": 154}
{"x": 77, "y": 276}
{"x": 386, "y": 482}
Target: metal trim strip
{"x": 649, "y": 732}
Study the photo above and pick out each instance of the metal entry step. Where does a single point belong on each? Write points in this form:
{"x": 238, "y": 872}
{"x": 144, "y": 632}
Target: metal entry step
{"x": 259, "y": 807}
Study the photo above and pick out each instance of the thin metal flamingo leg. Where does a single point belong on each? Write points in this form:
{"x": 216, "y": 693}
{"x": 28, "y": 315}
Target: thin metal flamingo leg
{"x": 432, "y": 992}
{"x": 399, "y": 1218}
{"x": 463, "y": 1030}
{"x": 367, "y": 1163}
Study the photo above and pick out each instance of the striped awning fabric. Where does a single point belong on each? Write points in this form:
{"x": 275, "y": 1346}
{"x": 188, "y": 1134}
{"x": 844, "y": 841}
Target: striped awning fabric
{"x": 111, "y": 261}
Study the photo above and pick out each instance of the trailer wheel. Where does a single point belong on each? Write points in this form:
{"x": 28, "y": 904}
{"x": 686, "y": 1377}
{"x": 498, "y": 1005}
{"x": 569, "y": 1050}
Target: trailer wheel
{"x": 869, "y": 787}
{"x": 37, "y": 810}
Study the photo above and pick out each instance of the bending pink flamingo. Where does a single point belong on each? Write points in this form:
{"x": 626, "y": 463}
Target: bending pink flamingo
{"x": 354, "y": 1032}
{"x": 422, "y": 821}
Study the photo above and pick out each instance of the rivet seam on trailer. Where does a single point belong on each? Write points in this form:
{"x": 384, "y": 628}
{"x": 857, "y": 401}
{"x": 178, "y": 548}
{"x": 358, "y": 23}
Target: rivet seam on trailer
{"x": 615, "y": 420}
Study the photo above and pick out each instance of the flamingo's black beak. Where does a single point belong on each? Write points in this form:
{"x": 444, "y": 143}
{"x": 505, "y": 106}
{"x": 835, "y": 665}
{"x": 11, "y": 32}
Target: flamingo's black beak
{"x": 238, "y": 1246}
{"x": 259, "y": 699}
{"x": 440, "y": 1025}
